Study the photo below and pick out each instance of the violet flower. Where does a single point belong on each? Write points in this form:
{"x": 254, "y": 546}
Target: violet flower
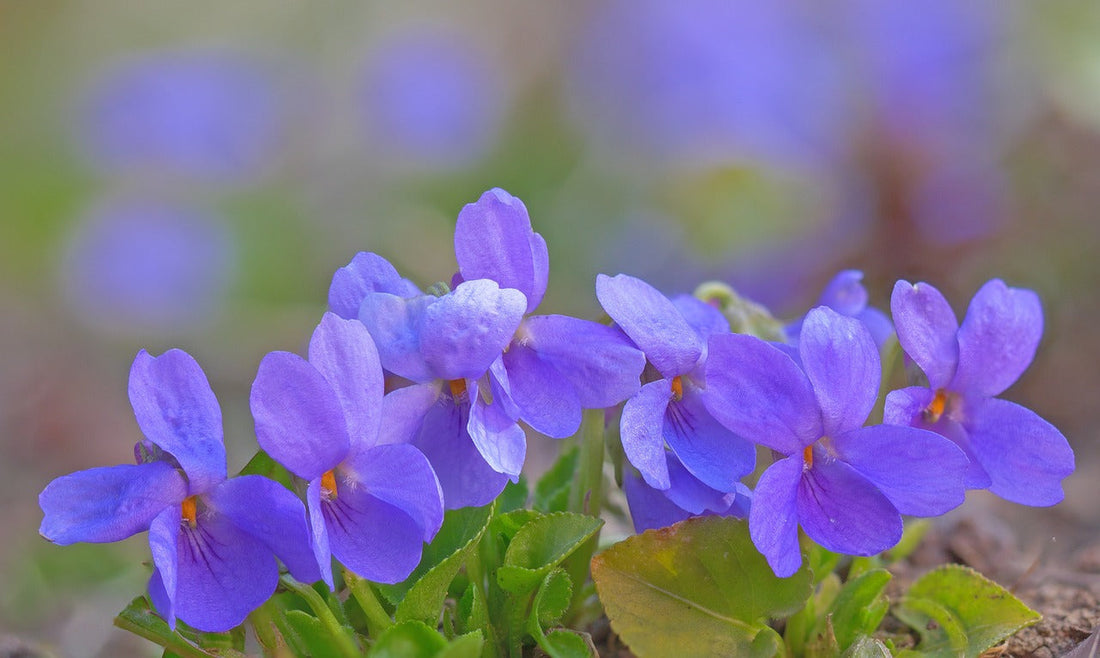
{"x": 686, "y": 497}
{"x": 214, "y": 540}
{"x": 555, "y": 365}
{"x": 668, "y": 409}
{"x": 370, "y": 505}
{"x": 845, "y": 484}
{"x": 1013, "y": 452}
{"x": 846, "y": 295}
{"x": 445, "y": 345}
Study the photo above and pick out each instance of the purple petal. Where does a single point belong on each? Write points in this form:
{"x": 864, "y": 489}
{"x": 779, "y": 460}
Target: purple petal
{"x": 376, "y": 540}
{"x": 163, "y": 542}
{"x": 222, "y": 574}
{"x": 649, "y": 507}
{"x": 715, "y": 455}
{"x": 760, "y": 393}
{"x": 842, "y": 362}
{"x": 652, "y": 322}
{"x": 773, "y": 518}
{"x": 691, "y": 494}
{"x": 465, "y": 330}
{"x": 344, "y": 353}
{"x": 404, "y": 410}
{"x": 272, "y": 514}
{"x": 927, "y": 330}
{"x": 402, "y": 476}
{"x": 466, "y": 479}
{"x": 395, "y": 323}
{"x": 920, "y": 472}
{"x": 998, "y": 339}
{"x": 319, "y": 532}
{"x": 366, "y": 273}
{"x": 701, "y": 316}
{"x": 499, "y": 439}
{"x": 1026, "y": 457}
{"x": 541, "y": 264}
{"x": 544, "y": 398}
{"x": 494, "y": 240}
{"x": 177, "y": 411}
{"x": 108, "y": 504}
{"x": 842, "y": 511}
{"x": 299, "y": 421}
{"x": 641, "y": 430}
{"x": 845, "y": 293}
{"x": 877, "y": 323}
{"x": 906, "y": 407}
{"x": 600, "y": 362}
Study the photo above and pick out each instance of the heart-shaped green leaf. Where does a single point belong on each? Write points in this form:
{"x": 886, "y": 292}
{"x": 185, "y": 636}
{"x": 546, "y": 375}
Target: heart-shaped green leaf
{"x": 697, "y": 588}
{"x": 859, "y": 607}
{"x": 410, "y": 639}
{"x": 957, "y": 610}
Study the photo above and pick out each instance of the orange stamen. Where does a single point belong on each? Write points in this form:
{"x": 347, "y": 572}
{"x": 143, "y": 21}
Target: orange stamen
{"x": 328, "y": 485}
{"x": 677, "y": 389}
{"x": 189, "y": 511}
{"x": 937, "y": 406}
{"x": 458, "y": 387}
{"x": 808, "y": 456}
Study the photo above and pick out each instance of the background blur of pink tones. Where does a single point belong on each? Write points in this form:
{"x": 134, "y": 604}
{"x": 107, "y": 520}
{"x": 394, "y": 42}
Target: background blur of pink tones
{"x": 191, "y": 178}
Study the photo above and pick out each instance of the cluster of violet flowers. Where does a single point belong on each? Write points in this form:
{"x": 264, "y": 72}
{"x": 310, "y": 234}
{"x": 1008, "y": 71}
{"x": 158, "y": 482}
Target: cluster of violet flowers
{"x": 413, "y": 402}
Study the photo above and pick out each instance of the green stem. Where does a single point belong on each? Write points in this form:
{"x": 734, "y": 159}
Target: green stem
{"x": 338, "y": 633}
{"x": 587, "y": 498}
{"x": 378, "y": 620}
{"x": 176, "y": 644}
{"x": 271, "y": 638}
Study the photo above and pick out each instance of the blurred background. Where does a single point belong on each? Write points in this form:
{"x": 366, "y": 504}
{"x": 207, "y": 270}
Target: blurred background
{"x": 191, "y": 176}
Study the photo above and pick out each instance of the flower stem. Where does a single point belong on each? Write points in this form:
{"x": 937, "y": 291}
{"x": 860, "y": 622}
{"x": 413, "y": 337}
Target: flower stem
{"x": 337, "y": 631}
{"x": 378, "y": 620}
{"x": 587, "y": 498}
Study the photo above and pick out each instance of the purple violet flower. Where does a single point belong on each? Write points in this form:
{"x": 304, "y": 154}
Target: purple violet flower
{"x": 371, "y": 505}
{"x": 205, "y": 114}
{"x": 846, "y": 295}
{"x": 445, "y": 346}
{"x": 214, "y": 540}
{"x": 555, "y": 365}
{"x": 845, "y": 484}
{"x": 687, "y": 496}
{"x": 668, "y": 409}
{"x": 1013, "y": 452}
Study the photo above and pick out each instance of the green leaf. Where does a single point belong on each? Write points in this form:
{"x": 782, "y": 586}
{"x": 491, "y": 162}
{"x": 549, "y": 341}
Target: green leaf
{"x": 312, "y": 634}
{"x": 464, "y": 646}
{"x": 859, "y": 607}
{"x": 263, "y": 464}
{"x": 513, "y": 497}
{"x": 410, "y": 639}
{"x": 544, "y": 542}
{"x": 867, "y": 647}
{"x": 553, "y": 598}
{"x": 697, "y": 588}
{"x": 140, "y": 619}
{"x": 562, "y": 643}
{"x": 552, "y": 489}
{"x": 958, "y": 611}
{"x": 421, "y": 595}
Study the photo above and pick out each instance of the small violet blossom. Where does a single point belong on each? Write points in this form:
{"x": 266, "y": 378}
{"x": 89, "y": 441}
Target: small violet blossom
{"x": 445, "y": 346}
{"x": 214, "y": 540}
{"x": 555, "y": 365}
{"x": 668, "y": 410}
{"x": 686, "y": 497}
{"x": 370, "y": 505}
{"x": 847, "y": 485}
{"x": 846, "y": 295}
{"x": 1013, "y": 452}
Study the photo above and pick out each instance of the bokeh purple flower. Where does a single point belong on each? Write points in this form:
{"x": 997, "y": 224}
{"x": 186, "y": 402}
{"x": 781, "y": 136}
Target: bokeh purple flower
{"x": 1013, "y": 452}
{"x": 846, "y": 295}
{"x": 431, "y": 99}
{"x": 371, "y": 505}
{"x": 214, "y": 540}
{"x": 148, "y": 265}
{"x": 555, "y": 365}
{"x": 847, "y": 485}
{"x": 207, "y": 115}
{"x": 667, "y": 412}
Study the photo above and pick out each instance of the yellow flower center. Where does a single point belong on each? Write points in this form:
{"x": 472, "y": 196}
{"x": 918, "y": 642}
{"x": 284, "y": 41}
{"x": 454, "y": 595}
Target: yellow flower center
{"x": 677, "y": 389}
{"x": 328, "y": 485}
{"x": 189, "y": 511}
